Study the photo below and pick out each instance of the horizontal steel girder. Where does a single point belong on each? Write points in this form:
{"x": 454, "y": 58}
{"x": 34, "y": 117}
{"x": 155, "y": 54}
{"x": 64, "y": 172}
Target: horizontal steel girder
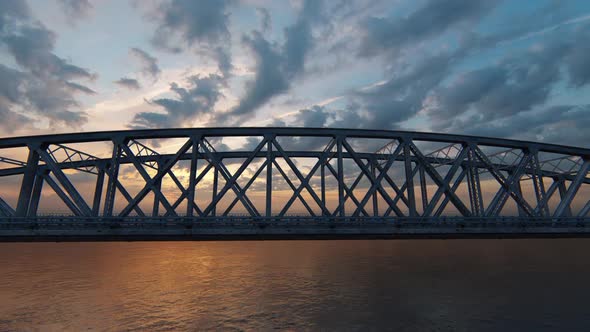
{"x": 463, "y": 157}
{"x": 274, "y": 154}
{"x": 107, "y": 136}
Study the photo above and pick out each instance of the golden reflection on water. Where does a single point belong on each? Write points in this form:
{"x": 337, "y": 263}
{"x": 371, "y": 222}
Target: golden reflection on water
{"x": 297, "y": 285}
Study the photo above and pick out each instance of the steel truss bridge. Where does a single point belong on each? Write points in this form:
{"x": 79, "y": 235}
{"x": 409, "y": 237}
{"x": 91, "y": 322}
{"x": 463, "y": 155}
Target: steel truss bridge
{"x": 289, "y": 182}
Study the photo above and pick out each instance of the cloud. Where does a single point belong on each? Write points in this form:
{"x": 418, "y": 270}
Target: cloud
{"x": 195, "y": 21}
{"x": 13, "y": 9}
{"x": 316, "y": 116}
{"x": 12, "y": 120}
{"x": 199, "y": 98}
{"x": 409, "y": 80}
{"x": 265, "y": 19}
{"x": 32, "y": 45}
{"x": 576, "y": 60}
{"x": 410, "y": 76}
{"x": 400, "y": 97}
{"x": 276, "y": 65}
{"x": 42, "y": 84}
{"x": 313, "y": 117}
{"x": 423, "y": 83}
{"x": 184, "y": 24}
{"x": 76, "y": 9}
{"x": 224, "y": 62}
{"x": 75, "y": 87}
{"x": 269, "y": 77}
{"x": 11, "y": 94}
{"x": 10, "y": 83}
{"x": 149, "y": 64}
{"x": 507, "y": 98}
{"x": 129, "y": 83}
{"x": 563, "y": 124}
{"x": 430, "y": 21}
{"x": 518, "y": 83}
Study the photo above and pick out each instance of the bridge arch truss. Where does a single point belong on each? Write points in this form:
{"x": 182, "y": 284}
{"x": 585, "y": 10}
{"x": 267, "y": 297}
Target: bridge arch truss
{"x": 281, "y": 172}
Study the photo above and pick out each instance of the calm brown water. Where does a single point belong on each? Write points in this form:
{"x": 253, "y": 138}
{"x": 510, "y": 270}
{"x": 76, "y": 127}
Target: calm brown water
{"x": 426, "y": 285}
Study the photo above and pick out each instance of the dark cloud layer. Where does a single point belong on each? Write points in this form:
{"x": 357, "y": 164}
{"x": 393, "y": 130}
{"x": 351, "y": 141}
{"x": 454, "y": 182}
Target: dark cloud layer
{"x": 401, "y": 97}
{"x": 414, "y": 71}
{"x": 148, "y": 63}
{"x": 76, "y": 9}
{"x": 42, "y": 84}
{"x": 386, "y": 105}
{"x": 195, "y": 21}
{"x": 11, "y": 94}
{"x": 563, "y": 124}
{"x": 129, "y": 83}
{"x": 265, "y": 19}
{"x": 198, "y": 99}
{"x": 519, "y": 83}
{"x": 75, "y": 87}
{"x": 276, "y": 65}
{"x": 13, "y": 10}
{"x": 444, "y": 66}
{"x": 429, "y": 56}
{"x": 430, "y": 21}
{"x": 183, "y": 24}
{"x": 507, "y": 97}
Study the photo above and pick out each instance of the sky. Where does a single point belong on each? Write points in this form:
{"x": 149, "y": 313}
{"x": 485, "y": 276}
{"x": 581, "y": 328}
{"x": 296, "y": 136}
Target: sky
{"x": 517, "y": 69}
{"x": 509, "y": 69}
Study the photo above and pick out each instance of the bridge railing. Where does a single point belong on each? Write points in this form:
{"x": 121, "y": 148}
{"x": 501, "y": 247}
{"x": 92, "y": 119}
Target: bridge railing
{"x": 72, "y": 221}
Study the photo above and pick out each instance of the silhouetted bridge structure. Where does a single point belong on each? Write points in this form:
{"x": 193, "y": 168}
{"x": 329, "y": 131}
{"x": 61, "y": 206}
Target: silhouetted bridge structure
{"x": 226, "y": 183}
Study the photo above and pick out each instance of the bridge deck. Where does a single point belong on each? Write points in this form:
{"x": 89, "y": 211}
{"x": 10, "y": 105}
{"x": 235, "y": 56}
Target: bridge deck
{"x": 246, "y": 228}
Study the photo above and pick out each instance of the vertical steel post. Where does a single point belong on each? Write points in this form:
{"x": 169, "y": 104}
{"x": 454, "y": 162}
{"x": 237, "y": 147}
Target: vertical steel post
{"x": 474, "y": 183}
{"x": 113, "y": 172}
{"x": 409, "y": 180}
{"x": 562, "y": 190}
{"x": 423, "y": 189}
{"x": 539, "y": 186}
{"x": 36, "y": 197}
{"x": 192, "y": 186}
{"x": 26, "y": 188}
{"x": 375, "y": 200}
{"x": 269, "y": 178}
{"x": 518, "y": 189}
{"x": 340, "y": 160}
{"x": 214, "y": 191}
{"x": 323, "y": 182}
{"x": 158, "y": 187}
{"x": 98, "y": 191}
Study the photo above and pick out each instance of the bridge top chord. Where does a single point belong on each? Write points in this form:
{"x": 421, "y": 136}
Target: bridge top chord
{"x": 275, "y": 174}
{"x": 11, "y": 142}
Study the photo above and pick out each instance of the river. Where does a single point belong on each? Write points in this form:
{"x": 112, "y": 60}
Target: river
{"x": 356, "y": 285}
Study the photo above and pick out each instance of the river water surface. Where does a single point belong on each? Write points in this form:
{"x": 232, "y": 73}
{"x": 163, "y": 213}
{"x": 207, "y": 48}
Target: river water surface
{"x": 402, "y": 285}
